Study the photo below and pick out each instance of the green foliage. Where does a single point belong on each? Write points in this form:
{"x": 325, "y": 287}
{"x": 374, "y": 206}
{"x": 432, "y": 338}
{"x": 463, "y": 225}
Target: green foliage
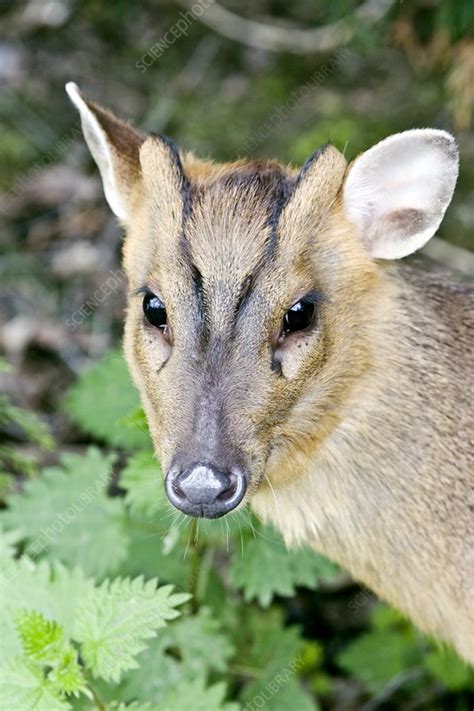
{"x": 446, "y": 666}
{"x": 102, "y": 400}
{"x": 8, "y": 542}
{"x": 108, "y": 625}
{"x": 116, "y": 619}
{"x": 276, "y": 655}
{"x": 41, "y": 638}
{"x": 194, "y": 695}
{"x": 376, "y": 658}
{"x": 24, "y": 688}
{"x": 393, "y": 649}
{"x": 204, "y": 646}
{"x": 74, "y": 639}
{"x": 67, "y": 505}
{"x": 142, "y": 478}
{"x": 34, "y": 429}
{"x": 31, "y": 428}
{"x": 266, "y": 569}
{"x": 43, "y": 641}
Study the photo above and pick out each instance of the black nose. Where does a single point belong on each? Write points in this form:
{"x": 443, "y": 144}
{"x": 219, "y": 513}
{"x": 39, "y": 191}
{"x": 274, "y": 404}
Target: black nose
{"x": 203, "y": 490}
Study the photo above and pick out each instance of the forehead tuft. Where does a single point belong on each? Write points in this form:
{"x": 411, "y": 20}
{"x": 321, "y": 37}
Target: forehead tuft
{"x": 233, "y": 214}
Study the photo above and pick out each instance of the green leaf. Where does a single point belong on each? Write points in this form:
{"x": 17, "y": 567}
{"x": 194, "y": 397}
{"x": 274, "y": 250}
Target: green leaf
{"x": 136, "y": 420}
{"x": 66, "y": 678}
{"x": 24, "y": 688}
{"x": 144, "y": 683}
{"x": 147, "y": 555}
{"x": 54, "y": 592}
{"x": 376, "y": 658}
{"x": 8, "y": 542}
{"x": 34, "y": 428}
{"x": 279, "y": 692}
{"x": 67, "y": 515}
{"x": 275, "y": 656}
{"x": 42, "y": 639}
{"x": 14, "y": 460}
{"x": 270, "y": 645}
{"x": 452, "y": 672}
{"x": 266, "y": 568}
{"x": 193, "y": 695}
{"x": 143, "y": 480}
{"x": 113, "y": 622}
{"x": 191, "y": 647}
{"x": 104, "y": 396}
{"x": 66, "y": 591}
{"x": 201, "y": 642}
{"x": 384, "y": 617}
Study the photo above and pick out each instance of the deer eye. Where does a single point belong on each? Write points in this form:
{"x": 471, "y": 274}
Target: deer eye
{"x": 299, "y": 317}
{"x": 154, "y": 310}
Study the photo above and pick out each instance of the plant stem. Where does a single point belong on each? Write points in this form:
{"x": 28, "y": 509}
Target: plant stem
{"x": 194, "y": 569}
{"x": 95, "y": 695}
{"x": 205, "y": 568}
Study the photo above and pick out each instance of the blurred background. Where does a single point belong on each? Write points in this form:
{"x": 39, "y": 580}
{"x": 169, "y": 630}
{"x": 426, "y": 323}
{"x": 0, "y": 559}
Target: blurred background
{"x": 258, "y": 78}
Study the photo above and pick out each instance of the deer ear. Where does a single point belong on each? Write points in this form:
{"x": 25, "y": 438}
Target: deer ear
{"x": 397, "y": 192}
{"x": 115, "y": 148}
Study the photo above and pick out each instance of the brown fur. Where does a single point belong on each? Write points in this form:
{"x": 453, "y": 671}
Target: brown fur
{"x": 358, "y": 434}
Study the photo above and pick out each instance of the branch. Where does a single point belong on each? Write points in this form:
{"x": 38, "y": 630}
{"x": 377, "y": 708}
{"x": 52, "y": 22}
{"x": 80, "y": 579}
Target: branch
{"x": 285, "y": 37}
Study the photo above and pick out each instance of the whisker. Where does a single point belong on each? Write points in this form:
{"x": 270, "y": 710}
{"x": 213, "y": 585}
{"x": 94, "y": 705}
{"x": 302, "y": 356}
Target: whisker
{"x": 188, "y": 544}
{"x": 241, "y": 538}
{"x": 273, "y": 493}
{"x": 227, "y": 534}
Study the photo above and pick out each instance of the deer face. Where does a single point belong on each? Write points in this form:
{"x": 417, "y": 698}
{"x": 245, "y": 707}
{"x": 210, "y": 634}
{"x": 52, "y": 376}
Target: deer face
{"x": 225, "y": 324}
{"x": 251, "y": 295}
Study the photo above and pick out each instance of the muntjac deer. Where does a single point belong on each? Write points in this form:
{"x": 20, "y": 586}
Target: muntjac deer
{"x": 285, "y": 358}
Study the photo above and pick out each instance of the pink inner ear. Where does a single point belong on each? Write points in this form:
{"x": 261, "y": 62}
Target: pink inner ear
{"x": 396, "y": 193}
{"x": 408, "y": 220}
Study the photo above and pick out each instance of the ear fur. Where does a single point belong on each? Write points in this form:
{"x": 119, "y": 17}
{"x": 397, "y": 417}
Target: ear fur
{"x": 115, "y": 148}
{"x": 317, "y": 187}
{"x": 397, "y": 192}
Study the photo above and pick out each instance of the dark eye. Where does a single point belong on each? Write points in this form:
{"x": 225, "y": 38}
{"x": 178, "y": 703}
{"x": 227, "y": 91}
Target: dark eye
{"x": 299, "y": 317}
{"x": 154, "y": 310}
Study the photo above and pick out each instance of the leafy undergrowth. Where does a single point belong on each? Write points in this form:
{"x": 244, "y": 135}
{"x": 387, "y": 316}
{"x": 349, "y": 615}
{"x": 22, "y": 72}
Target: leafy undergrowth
{"x": 110, "y": 600}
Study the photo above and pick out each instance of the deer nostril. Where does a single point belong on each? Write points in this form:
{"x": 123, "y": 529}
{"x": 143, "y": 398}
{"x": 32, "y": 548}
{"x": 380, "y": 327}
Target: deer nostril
{"x": 229, "y": 493}
{"x": 177, "y": 490}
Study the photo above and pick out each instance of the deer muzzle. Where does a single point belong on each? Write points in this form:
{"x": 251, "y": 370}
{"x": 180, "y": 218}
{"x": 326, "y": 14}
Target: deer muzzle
{"x": 203, "y": 490}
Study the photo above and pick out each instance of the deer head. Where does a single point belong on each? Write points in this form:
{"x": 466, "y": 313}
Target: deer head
{"x": 252, "y": 290}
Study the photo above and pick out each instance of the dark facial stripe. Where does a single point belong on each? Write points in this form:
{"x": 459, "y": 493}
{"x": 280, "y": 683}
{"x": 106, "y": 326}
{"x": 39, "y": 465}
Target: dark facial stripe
{"x": 173, "y": 152}
{"x": 186, "y": 196}
{"x": 198, "y": 287}
{"x": 283, "y": 192}
{"x": 245, "y": 292}
{"x": 312, "y": 159}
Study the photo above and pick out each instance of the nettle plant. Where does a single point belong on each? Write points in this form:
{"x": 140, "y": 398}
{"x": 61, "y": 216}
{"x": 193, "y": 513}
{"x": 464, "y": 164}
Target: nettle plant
{"x": 110, "y": 600}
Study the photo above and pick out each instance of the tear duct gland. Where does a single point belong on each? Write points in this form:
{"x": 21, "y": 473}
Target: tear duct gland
{"x": 351, "y": 431}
